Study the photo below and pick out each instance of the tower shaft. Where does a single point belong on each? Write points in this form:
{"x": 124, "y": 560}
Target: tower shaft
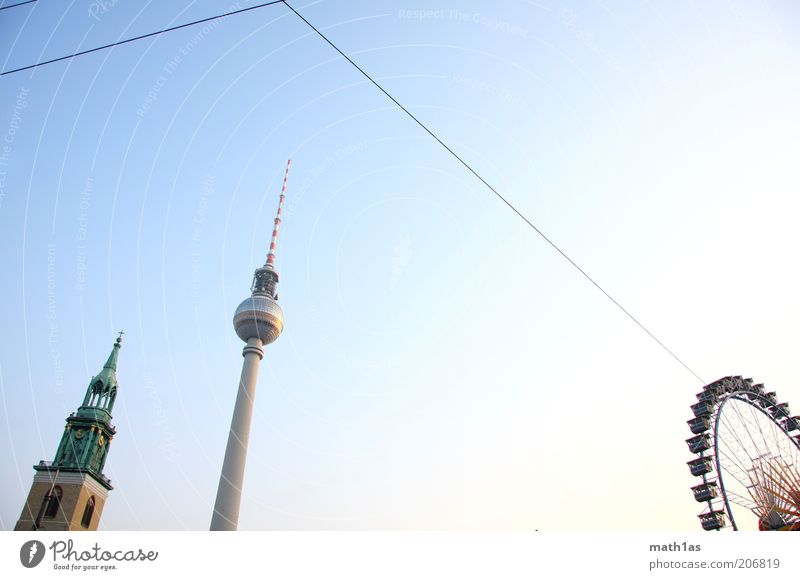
{"x": 231, "y": 480}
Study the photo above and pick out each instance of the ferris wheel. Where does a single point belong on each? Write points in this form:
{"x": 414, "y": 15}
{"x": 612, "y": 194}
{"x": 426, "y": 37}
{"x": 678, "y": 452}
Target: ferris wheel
{"x": 748, "y": 457}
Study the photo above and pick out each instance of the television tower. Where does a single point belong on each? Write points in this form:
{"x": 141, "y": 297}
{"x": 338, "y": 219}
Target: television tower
{"x": 258, "y": 321}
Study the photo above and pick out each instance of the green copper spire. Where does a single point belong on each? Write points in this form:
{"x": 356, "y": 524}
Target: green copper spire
{"x": 111, "y": 363}
{"x": 88, "y": 433}
{"x": 102, "y": 390}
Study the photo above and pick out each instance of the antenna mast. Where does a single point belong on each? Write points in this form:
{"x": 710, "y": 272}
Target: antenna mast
{"x": 274, "y": 243}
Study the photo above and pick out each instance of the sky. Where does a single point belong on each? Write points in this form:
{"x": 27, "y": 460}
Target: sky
{"x": 441, "y": 367}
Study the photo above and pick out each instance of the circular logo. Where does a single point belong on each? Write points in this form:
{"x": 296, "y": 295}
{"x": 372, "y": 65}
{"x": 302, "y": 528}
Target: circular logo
{"x": 31, "y": 553}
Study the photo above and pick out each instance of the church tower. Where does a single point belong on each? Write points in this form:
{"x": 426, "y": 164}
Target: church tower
{"x": 69, "y": 492}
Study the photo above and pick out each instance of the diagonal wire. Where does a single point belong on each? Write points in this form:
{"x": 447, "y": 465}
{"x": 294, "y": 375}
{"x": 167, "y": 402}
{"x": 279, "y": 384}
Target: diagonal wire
{"x": 499, "y": 196}
{"x": 218, "y": 16}
{"x": 17, "y": 4}
{"x": 407, "y": 112}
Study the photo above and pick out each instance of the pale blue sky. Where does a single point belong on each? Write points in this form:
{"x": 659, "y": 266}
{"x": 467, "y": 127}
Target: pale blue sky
{"x": 441, "y": 366}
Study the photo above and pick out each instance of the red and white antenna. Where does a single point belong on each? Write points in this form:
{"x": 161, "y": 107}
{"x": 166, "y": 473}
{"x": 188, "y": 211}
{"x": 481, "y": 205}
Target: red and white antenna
{"x": 274, "y": 243}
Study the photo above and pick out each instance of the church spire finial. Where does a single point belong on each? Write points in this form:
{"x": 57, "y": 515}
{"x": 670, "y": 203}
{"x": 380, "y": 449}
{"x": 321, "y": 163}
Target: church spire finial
{"x": 111, "y": 363}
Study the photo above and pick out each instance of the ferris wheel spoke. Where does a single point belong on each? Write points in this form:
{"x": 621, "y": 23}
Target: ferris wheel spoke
{"x": 753, "y": 424}
{"x": 727, "y": 422}
{"x": 746, "y": 427}
{"x": 736, "y": 469}
{"x": 777, "y": 434}
{"x": 739, "y": 461}
{"x": 744, "y": 501}
{"x": 735, "y": 466}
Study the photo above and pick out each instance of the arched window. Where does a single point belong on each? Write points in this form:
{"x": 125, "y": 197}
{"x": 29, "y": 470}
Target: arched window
{"x": 97, "y": 390}
{"x": 88, "y": 513}
{"x": 54, "y": 504}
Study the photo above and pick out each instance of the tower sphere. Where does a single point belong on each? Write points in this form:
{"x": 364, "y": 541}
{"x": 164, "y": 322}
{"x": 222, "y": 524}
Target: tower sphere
{"x": 258, "y": 317}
